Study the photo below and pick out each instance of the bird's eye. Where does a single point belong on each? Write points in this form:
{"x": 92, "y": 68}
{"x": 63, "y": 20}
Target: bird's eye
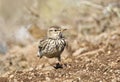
{"x": 55, "y": 30}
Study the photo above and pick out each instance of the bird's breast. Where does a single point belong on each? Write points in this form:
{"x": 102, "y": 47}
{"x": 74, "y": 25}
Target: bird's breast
{"x": 54, "y": 47}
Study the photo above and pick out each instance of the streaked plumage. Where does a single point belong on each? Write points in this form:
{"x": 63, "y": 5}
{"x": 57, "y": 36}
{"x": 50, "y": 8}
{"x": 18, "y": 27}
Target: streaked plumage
{"x": 53, "y": 45}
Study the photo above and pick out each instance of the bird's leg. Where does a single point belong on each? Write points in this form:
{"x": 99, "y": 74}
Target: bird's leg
{"x": 59, "y": 64}
{"x": 59, "y": 59}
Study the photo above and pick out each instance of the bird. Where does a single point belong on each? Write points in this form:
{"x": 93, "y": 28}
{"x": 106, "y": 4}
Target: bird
{"x": 53, "y": 45}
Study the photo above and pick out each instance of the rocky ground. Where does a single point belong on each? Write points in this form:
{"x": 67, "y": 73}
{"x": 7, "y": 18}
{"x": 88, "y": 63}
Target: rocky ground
{"x": 89, "y": 63}
{"x": 92, "y": 53}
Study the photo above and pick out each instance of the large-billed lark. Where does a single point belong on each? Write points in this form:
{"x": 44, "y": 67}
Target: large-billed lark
{"x": 53, "y": 45}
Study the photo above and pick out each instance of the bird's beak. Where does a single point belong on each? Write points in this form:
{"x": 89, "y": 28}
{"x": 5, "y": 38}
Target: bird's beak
{"x": 62, "y": 30}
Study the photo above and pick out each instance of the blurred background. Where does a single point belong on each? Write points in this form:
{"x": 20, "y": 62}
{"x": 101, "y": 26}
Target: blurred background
{"x": 90, "y": 25}
{"x": 22, "y": 22}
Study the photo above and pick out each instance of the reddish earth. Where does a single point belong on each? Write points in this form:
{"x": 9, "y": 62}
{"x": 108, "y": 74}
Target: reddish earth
{"x": 95, "y": 63}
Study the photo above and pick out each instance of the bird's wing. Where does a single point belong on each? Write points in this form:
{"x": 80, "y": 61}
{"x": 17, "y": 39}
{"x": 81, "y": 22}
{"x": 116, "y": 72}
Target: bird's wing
{"x": 42, "y": 44}
{"x": 66, "y": 42}
{"x": 63, "y": 44}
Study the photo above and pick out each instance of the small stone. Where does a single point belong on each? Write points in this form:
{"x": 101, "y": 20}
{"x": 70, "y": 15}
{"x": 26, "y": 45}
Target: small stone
{"x": 109, "y": 52}
{"x": 112, "y": 64}
{"x": 11, "y": 76}
{"x": 31, "y": 69}
{"x": 29, "y": 77}
{"x": 47, "y": 79}
{"x": 32, "y": 74}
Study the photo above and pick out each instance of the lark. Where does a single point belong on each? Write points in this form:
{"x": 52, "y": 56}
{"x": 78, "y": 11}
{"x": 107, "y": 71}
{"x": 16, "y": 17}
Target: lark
{"x": 53, "y": 45}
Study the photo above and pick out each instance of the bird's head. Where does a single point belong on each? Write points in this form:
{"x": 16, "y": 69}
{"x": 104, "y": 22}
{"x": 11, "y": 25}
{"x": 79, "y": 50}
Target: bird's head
{"x": 54, "y": 32}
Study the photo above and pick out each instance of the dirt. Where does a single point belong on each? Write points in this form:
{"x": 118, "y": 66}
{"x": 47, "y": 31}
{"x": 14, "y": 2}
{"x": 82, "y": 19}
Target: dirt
{"x": 96, "y": 64}
{"x": 92, "y": 53}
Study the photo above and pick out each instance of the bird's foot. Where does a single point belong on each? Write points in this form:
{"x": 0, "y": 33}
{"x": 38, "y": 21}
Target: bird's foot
{"x": 58, "y": 65}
